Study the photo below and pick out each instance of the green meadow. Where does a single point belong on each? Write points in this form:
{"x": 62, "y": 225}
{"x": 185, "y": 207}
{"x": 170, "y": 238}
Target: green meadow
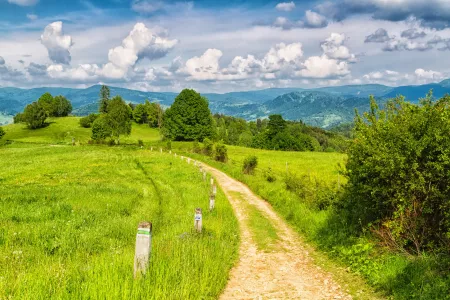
{"x": 69, "y": 216}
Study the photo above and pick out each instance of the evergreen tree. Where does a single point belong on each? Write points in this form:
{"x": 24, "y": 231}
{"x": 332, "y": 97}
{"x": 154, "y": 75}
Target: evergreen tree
{"x": 105, "y": 94}
{"x": 119, "y": 114}
{"x": 189, "y": 118}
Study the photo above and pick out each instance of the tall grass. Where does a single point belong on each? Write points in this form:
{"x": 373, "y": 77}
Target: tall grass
{"x": 68, "y": 221}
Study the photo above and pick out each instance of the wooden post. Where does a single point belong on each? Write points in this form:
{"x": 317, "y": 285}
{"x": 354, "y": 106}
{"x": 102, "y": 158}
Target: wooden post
{"x": 204, "y": 175}
{"x": 214, "y": 190}
{"x": 143, "y": 248}
{"x": 212, "y": 181}
{"x": 160, "y": 150}
{"x": 198, "y": 219}
{"x": 212, "y": 200}
{"x": 151, "y": 149}
{"x": 73, "y": 141}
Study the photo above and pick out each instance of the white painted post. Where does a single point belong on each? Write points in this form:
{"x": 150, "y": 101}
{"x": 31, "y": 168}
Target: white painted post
{"x": 151, "y": 148}
{"x": 198, "y": 219}
{"x": 214, "y": 190}
{"x": 212, "y": 181}
{"x": 143, "y": 248}
{"x": 160, "y": 150}
{"x": 212, "y": 200}
{"x": 189, "y": 161}
{"x": 175, "y": 155}
{"x": 170, "y": 151}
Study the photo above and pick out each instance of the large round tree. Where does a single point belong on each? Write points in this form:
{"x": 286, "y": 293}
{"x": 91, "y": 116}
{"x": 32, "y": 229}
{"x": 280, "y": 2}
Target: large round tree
{"x": 189, "y": 118}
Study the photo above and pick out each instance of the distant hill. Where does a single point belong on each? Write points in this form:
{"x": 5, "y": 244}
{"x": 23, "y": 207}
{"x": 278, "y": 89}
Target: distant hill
{"x": 323, "y": 107}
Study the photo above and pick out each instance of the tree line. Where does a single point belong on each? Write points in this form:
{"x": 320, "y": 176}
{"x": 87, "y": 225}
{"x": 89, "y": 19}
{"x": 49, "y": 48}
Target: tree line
{"x": 36, "y": 113}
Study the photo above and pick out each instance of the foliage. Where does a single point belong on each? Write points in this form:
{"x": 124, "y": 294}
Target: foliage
{"x": 250, "y": 164}
{"x": 87, "y": 121}
{"x": 2, "y": 132}
{"x": 101, "y": 128}
{"x": 35, "y": 115}
{"x": 221, "y": 152}
{"x": 275, "y": 126}
{"x": 196, "y": 147}
{"x": 140, "y": 143}
{"x": 148, "y": 113}
{"x": 119, "y": 117}
{"x": 169, "y": 145}
{"x": 189, "y": 118}
{"x": 105, "y": 95}
{"x": 18, "y": 118}
{"x": 269, "y": 175}
{"x": 208, "y": 147}
{"x": 61, "y": 107}
{"x": 46, "y": 102}
{"x": 398, "y": 173}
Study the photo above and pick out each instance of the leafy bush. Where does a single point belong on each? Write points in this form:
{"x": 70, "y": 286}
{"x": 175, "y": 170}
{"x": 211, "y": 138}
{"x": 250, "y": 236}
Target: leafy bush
{"x": 169, "y": 145}
{"x": 221, "y": 152}
{"x": 196, "y": 147}
{"x": 249, "y": 165}
{"x": 269, "y": 175}
{"x": 208, "y": 147}
{"x": 18, "y": 118}
{"x": 101, "y": 128}
{"x": 2, "y": 132}
{"x": 87, "y": 121}
{"x": 35, "y": 115}
{"x": 140, "y": 143}
{"x": 397, "y": 172}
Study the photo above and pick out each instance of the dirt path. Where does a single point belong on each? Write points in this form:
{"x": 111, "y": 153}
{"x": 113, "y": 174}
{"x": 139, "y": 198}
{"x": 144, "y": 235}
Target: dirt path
{"x": 285, "y": 272}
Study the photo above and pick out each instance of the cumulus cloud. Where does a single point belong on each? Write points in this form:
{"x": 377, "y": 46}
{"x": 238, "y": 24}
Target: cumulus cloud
{"x": 379, "y": 36}
{"x": 24, "y": 2}
{"x": 205, "y": 67}
{"x": 314, "y": 20}
{"x": 394, "y": 78}
{"x": 285, "y": 6}
{"x": 431, "y": 13}
{"x": 413, "y": 34}
{"x": 333, "y": 47}
{"x": 402, "y": 44}
{"x": 323, "y": 67}
{"x": 57, "y": 44}
{"x": 36, "y": 69}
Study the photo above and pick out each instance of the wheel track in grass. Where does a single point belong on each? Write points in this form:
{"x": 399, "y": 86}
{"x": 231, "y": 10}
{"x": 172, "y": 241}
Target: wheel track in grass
{"x": 286, "y": 271}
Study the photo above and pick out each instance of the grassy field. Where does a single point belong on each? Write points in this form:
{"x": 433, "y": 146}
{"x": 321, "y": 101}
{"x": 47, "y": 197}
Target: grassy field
{"x": 69, "y": 216}
{"x": 62, "y": 130}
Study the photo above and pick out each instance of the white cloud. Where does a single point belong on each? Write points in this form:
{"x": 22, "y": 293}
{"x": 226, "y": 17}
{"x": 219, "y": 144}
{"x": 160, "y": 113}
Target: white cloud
{"x": 24, "y": 2}
{"x": 314, "y": 20}
{"x": 428, "y": 76}
{"x": 32, "y": 17}
{"x": 323, "y": 67}
{"x": 57, "y": 44}
{"x": 334, "y": 48}
{"x": 285, "y": 6}
{"x": 205, "y": 67}
{"x": 394, "y": 78}
{"x": 2, "y": 61}
{"x": 146, "y": 6}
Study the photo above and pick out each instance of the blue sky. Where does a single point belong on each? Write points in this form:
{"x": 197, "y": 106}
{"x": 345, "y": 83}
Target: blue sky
{"x": 221, "y": 46}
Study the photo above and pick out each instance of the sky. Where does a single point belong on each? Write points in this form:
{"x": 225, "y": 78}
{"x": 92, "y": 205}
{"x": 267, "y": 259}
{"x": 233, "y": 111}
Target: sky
{"x": 223, "y": 46}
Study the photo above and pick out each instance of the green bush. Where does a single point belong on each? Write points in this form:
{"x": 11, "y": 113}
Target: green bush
{"x": 249, "y": 165}
{"x": 196, "y": 147}
{"x": 169, "y": 145}
{"x": 101, "y": 128}
{"x": 269, "y": 175}
{"x": 398, "y": 166}
{"x": 140, "y": 143}
{"x": 2, "y": 132}
{"x": 208, "y": 147}
{"x": 18, "y": 118}
{"x": 221, "y": 152}
{"x": 35, "y": 115}
{"x": 87, "y": 121}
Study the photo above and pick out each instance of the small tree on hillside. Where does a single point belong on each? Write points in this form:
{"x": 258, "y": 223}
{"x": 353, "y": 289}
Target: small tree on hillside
{"x": 105, "y": 94}
{"x": 276, "y": 125}
{"x": 119, "y": 114}
{"x": 189, "y": 118}
{"x": 35, "y": 115}
{"x": 46, "y": 102}
{"x": 101, "y": 128}
{"x": 61, "y": 107}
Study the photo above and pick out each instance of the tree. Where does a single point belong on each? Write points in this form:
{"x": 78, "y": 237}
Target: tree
{"x": 87, "y": 121}
{"x": 46, "y": 102}
{"x": 140, "y": 113}
{"x": 101, "y": 128}
{"x": 189, "y": 118}
{"x": 276, "y": 125}
{"x": 2, "y": 132}
{"x": 61, "y": 107}
{"x": 35, "y": 115}
{"x": 18, "y": 118}
{"x": 104, "y": 99}
{"x": 398, "y": 173}
{"x": 119, "y": 114}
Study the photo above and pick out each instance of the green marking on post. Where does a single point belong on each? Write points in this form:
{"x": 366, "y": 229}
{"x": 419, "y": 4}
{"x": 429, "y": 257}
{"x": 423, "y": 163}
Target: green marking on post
{"x": 143, "y": 232}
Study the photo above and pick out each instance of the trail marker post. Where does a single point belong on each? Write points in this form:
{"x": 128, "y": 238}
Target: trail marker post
{"x": 189, "y": 161}
{"x": 170, "y": 151}
{"x": 160, "y": 150}
{"x": 214, "y": 190}
{"x": 73, "y": 141}
{"x": 198, "y": 219}
{"x": 143, "y": 248}
{"x": 212, "y": 181}
{"x": 212, "y": 200}
{"x": 151, "y": 149}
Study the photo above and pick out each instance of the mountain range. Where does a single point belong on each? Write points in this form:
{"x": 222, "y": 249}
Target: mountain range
{"x": 324, "y": 107}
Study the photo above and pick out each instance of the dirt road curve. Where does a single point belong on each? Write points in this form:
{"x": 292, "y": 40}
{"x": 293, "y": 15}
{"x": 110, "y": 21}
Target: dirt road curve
{"x": 287, "y": 272}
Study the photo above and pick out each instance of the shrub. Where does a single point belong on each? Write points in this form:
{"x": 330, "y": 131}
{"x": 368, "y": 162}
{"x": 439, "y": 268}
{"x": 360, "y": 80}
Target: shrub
{"x": 35, "y": 115}
{"x": 269, "y": 175}
{"x": 140, "y": 143}
{"x": 208, "y": 147}
{"x": 250, "y": 163}
{"x": 169, "y": 145}
{"x": 18, "y": 118}
{"x": 398, "y": 173}
{"x": 2, "y": 132}
{"x": 87, "y": 121}
{"x": 221, "y": 153}
{"x": 196, "y": 147}
{"x": 101, "y": 128}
